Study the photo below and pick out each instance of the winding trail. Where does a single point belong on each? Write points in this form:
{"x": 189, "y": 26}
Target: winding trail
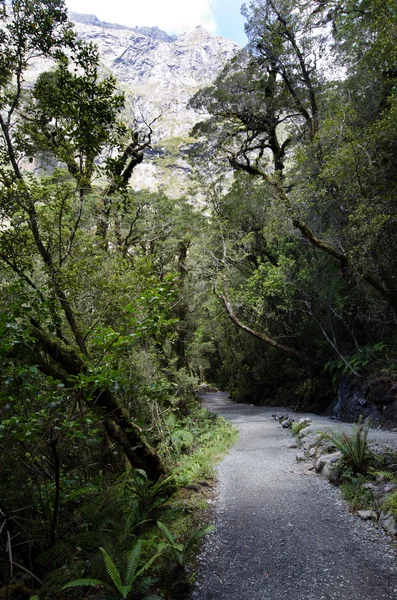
{"x": 282, "y": 532}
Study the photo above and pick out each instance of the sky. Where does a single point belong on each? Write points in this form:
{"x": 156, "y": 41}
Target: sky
{"x": 220, "y": 17}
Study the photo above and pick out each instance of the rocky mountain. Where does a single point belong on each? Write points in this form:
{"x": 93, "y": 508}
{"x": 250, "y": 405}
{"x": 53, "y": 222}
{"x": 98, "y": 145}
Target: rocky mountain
{"x": 159, "y": 73}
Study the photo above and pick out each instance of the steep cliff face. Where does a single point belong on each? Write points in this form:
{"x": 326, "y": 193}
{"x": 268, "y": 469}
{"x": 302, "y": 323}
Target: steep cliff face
{"x": 159, "y": 73}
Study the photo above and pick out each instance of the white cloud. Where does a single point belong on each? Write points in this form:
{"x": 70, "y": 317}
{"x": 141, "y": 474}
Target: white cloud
{"x": 174, "y": 16}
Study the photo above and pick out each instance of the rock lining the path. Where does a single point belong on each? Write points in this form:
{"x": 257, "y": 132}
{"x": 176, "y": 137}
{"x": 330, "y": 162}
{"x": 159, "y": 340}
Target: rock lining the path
{"x": 321, "y": 452}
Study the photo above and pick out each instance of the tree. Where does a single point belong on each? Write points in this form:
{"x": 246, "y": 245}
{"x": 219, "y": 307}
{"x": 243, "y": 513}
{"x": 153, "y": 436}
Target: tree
{"x": 69, "y": 116}
{"x": 281, "y": 74}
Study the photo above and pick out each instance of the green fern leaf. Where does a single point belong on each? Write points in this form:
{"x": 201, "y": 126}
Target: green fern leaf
{"x": 111, "y": 569}
{"x": 132, "y": 563}
{"x": 83, "y": 582}
{"x": 147, "y": 565}
{"x": 167, "y": 533}
{"x": 124, "y": 591}
{"x": 196, "y": 537}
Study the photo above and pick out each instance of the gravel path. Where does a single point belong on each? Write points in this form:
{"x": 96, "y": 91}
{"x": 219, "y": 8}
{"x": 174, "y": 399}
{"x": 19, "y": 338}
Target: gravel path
{"x": 282, "y": 532}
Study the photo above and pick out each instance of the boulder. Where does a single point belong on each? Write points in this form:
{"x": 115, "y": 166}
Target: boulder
{"x": 310, "y": 441}
{"x": 388, "y": 522}
{"x": 331, "y": 473}
{"x": 300, "y": 457}
{"x": 326, "y": 459}
{"x": 365, "y": 515}
{"x": 304, "y": 432}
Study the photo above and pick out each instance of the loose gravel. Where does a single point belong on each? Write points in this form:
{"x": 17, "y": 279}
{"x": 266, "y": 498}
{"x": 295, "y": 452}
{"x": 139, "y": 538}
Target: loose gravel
{"x": 282, "y": 532}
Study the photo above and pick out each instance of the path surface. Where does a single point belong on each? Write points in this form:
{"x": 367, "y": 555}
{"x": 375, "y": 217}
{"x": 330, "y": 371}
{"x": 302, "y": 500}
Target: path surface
{"x": 282, "y": 532}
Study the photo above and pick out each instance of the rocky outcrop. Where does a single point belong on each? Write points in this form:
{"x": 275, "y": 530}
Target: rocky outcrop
{"x": 153, "y": 32}
{"x": 374, "y": 399}
{"x": 158, "y": 74}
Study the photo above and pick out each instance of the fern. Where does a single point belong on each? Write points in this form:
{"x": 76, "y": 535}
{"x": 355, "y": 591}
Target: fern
{"x": 182, "y": 551}
{"x": 131, "y": 573}
{"x": 111, "y": 569}
{"x": 132, "y": 562}
{"x": 147, "y": 565}
{"x": 354, "y": 448}
{"x": 167, "y": 533}
{"x": 196, "y": 536}
{"x": 148, "y": 495}
{"x": 84, "y": 583}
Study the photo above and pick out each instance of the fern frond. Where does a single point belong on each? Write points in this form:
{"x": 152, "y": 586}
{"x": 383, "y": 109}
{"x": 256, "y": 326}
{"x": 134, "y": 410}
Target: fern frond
{"x": 124, "y": 590}
{"x": 163, "y": 483}
{"x": 147, "y": 565}
{"x": 196, "y": 536}
{"x": 167, "y": 533}
{"x": 132, "y": 562}
{"x": 111, "y": 568}
{"x": 83, "y": 582}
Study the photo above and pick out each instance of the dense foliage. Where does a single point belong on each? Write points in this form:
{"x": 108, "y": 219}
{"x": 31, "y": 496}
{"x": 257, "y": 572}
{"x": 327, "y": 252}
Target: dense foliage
{"x": 96, "y": 404}
{"x": 115, "y": 304}
{"x": 304, "y": 116}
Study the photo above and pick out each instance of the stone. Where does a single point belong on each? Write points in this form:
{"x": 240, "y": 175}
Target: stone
{"x": 389, "y": 487}
{"x": 325, "y": 459}
{"x": 327, "y": 447}
{"x": 365, "y": 515}
{"x": 312, "y": 452}
{"x": 310, "y": 441}
{"x": 287, "y": 423}
{"x": 304, "y": 432}
{"x": 388, "y": 522}
{"x": 368, "y": 486}
{"x": 300, "y": 457}
{"x": 331, "y": 473}
{"x": 293, "y": 445}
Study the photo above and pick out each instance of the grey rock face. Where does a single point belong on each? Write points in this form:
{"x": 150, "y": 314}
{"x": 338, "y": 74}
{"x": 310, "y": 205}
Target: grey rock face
{"x": 153, "y": 32}
{"x": 158, "y": 74}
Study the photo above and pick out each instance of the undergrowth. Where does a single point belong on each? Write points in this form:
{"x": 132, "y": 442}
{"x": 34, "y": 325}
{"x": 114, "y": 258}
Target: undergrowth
{"x": 115, "y": 545}
{"x": 390, "y": 504}
{"x": 368, "y": 481}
